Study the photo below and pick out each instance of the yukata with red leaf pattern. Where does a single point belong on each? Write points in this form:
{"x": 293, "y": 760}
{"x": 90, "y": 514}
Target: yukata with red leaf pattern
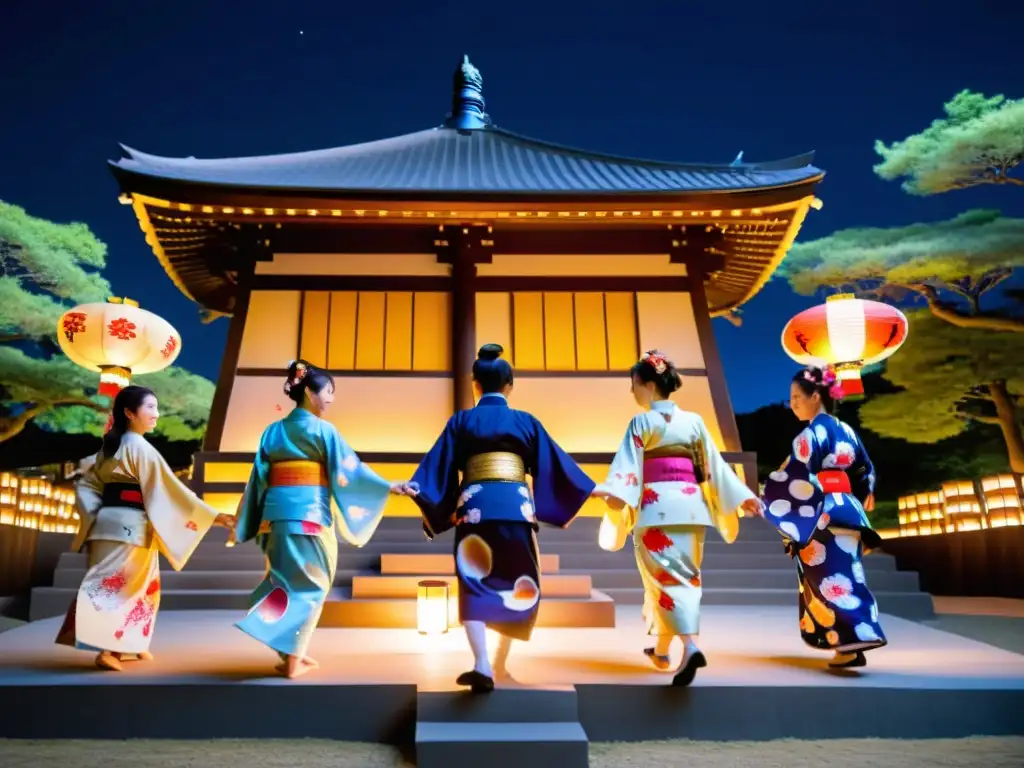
{"x": 133, "y": 508}
{"x": 302, "y": 464}
{"x": 815, "y": 499}
{"x": 675, "y": 485}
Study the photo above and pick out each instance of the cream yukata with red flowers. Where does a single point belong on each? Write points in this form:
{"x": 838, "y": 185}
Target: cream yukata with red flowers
{"x": 675, "y": 485}
{"x": 133, "y": 508}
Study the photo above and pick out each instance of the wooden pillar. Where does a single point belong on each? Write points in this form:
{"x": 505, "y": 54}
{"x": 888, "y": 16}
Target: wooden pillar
{"x": 695, "y": 245}
{"x": 253, "y": 247}
{"x": 463, "y": 247}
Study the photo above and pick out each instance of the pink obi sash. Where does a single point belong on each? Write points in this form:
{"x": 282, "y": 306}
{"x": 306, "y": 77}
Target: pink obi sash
{"x": 669, "y": 469}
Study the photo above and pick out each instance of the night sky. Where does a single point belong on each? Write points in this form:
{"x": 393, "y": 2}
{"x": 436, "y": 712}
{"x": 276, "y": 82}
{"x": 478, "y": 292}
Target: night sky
{"x": 676, "y": 81}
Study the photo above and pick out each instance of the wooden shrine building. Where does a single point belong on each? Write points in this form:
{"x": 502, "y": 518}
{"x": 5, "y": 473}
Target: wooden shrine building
{"x": 388, "y": 263}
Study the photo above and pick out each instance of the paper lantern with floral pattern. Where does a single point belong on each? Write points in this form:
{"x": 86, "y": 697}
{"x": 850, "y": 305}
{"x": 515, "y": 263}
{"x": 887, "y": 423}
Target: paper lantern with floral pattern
{"x": 847, "y": 333}
{"x": 117, "y": 339}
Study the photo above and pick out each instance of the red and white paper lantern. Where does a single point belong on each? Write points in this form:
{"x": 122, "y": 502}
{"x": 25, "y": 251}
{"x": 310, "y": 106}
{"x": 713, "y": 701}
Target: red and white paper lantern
{"x": 117, "y": 339}
{"x": 847, "y": 333}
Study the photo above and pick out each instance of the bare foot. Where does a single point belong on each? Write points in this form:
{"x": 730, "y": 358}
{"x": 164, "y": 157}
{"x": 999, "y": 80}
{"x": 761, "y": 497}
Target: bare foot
{"x": 296, "y": 667}
{"x": 144, "y": 656}
{"x": 108, "y": 661}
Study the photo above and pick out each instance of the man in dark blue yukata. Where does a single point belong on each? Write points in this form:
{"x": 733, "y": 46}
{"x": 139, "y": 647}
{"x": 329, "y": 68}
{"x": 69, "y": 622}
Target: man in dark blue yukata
{"x": 494, "y": 512}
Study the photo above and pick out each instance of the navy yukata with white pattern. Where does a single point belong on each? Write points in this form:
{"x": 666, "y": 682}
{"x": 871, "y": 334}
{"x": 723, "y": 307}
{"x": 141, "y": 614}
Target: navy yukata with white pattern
{"x": 826, "y": 533}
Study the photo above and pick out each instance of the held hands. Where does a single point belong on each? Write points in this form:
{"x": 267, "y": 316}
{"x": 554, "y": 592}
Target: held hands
{"x": 225, "y": 521}
{"x": 405, "y": 489}
{"x": 614, "y": 503}
{"x": 753, "y": 507}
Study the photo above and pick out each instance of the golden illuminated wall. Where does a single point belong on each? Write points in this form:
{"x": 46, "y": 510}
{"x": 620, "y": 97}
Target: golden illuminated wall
{"x": 588, "y": 331}
{"x": 590, "y": 415}
{"x": 271, "y": 335}
{"x": 376, "y": 330}
{"x": 592, "y": 332}
{"x": 373, "y": 413}
{"x": 561, "y": 331}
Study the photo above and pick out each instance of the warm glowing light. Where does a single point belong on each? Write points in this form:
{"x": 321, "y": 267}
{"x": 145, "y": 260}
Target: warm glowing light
{"x": 848, "y": 333}
{"x": 962, "y": 507}
{"x": 432, "y": 607}
{"x": 1002, "y": 499}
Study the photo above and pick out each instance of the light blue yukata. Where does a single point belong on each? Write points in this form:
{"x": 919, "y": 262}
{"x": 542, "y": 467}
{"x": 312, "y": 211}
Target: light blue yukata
{"x": 294, "y": 524}
{"x": 815, "y": 500}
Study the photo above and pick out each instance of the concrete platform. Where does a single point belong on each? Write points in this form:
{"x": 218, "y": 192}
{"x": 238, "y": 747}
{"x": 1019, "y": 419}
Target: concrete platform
{"x": 209, "y": 680}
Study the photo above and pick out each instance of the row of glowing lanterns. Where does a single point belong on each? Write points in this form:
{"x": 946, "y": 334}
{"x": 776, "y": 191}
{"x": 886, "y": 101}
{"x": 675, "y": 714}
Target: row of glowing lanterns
{"x": 959, "y": 506}
{"x": 35, "y": 502}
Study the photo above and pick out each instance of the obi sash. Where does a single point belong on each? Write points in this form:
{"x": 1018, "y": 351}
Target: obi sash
{"x": 669, "y": 469}
{"x": 297, "y": 473}
{"x": 834, "y": 481}
{"x": 123, "y": 495}
{"x": 495, "y": 466}
{"x": 694, "y": 456}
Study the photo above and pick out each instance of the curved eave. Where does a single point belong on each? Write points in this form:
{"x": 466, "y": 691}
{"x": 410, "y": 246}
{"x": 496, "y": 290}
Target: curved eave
{"x": 197, "y": 193}
{"x": 195, "y": 248}
{"x": 442, "y": 164}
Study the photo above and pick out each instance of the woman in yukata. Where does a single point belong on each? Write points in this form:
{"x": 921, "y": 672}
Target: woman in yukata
{"x": 133, "y": 508}
{"x": 493, "y": 511}
{"x": 667, "y": 484}
{"x": 301, "y": 465}
{"x": 818, "y": 500}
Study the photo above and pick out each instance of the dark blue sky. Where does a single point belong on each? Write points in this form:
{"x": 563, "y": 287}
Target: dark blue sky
{"x": 667, "y": 80}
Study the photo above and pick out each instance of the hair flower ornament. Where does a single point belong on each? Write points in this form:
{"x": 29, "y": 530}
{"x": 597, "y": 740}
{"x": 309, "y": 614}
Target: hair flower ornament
{"x": 300, "y": 374}
{"x": 656, "y": 360}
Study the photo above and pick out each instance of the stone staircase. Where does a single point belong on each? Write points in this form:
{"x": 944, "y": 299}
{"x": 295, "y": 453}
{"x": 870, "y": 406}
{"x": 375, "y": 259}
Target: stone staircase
{"x": 509, "y": 728}
{"x": 376, "y": 585}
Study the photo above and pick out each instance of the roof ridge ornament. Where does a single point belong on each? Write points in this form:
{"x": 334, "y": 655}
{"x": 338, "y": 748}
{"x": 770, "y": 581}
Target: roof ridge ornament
{"x": 467, "y": 99}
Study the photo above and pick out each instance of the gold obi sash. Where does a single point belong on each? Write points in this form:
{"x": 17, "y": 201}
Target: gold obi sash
{"x": 299, "y": 472}
{"x": 497, "y": 465}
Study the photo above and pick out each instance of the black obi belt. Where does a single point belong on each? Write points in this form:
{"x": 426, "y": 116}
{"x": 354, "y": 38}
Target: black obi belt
{"x": 123, "y": 495}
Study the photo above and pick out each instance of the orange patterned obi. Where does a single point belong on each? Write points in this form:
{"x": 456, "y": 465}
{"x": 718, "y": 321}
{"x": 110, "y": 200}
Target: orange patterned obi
{"x": 287, "y": 473}
{"x": 834, "y": 481}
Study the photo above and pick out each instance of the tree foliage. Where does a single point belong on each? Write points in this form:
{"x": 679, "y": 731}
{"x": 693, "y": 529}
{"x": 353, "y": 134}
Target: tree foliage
{"x": 948, "y": 265}
{"x": 45, "y": 268}
{"x": 979, "y": 141}
{"x": 950, "y": 377}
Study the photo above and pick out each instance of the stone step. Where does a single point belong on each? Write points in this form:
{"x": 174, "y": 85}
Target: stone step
{"x": 370, "y": 587}
{"x": 501, "y": 744}
{"x": 908, "y": 605}
{"x": 558, "y": 547}
{"x": 716, "y": 560}
{"x": 770, "y": 578}
{"x": 523, "y": 705}
{"x": 442, "y": 564}
{"x": 342, "y": 610}
{"x": 54, "y": 601}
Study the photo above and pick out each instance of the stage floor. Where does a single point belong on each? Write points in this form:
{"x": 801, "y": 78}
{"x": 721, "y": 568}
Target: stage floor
{"x": 923, "y": 681}
{"x": 745, "y": 646}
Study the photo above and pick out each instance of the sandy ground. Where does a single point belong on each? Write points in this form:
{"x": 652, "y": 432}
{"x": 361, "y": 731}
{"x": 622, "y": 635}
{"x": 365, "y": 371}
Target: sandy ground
{"x": 867, "y": 753}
